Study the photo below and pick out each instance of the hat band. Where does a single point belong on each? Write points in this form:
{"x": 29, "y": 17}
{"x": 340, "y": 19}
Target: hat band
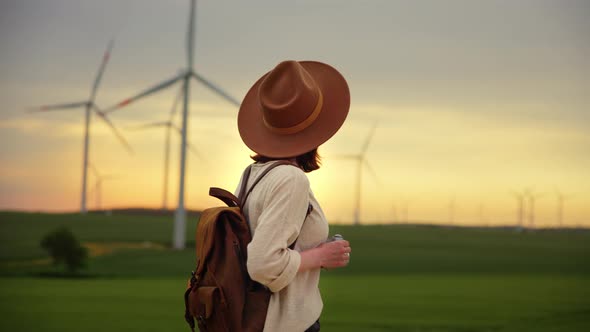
{"x": 303, "y": 124}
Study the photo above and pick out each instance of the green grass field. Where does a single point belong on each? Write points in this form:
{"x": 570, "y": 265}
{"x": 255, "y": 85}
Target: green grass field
{"x": 401, "y": 278}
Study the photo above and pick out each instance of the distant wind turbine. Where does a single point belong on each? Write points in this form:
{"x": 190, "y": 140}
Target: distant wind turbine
{"x": 97, "y": 189}
{"x": 531, "y": 197}
{"x": 561, "y": 198}
{"x": 400, "y": 210}
{"x": 185, "y": 77}
{"x": 394, "y": 214}
{"x": 169, "y": 125}
{"x": 90, "y": 106}
{"x": 406, "y": 211}
{"x": 361, "y": 159}
{"x": 520, "y": 201}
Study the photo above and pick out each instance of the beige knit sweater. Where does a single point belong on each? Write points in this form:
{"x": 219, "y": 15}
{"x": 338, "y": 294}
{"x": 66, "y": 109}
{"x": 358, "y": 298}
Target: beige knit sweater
{"x": 276, "y": 209}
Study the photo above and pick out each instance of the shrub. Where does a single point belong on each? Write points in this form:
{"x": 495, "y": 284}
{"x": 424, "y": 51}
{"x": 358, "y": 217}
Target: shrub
{"x": 64, "y": 248}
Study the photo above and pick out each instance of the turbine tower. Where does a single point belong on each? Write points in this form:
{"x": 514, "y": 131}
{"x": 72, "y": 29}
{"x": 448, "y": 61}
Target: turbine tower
{"x": 520, "y": 201}
{"x": 405, "y": 211}
{"x": 97, "y": 189}
{"x": 89, "y": 106}
{"x": 394, "y": 214}
{"x": 361, "y": 160}
{"x": 186, "y": 75}
{"x": 169, "y": 125}
{"x": 561, "y": 198}
{"x": 406, "y": 202}
{"x": 400, "y": 210}
{"x": 531, "y": 197}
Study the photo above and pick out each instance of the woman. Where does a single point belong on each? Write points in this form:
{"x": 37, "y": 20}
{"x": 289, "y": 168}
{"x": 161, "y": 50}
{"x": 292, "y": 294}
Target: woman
{"x": 286, "y": 115}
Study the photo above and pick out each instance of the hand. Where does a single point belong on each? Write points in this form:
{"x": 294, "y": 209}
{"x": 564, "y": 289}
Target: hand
{"x": 335, "y": 254}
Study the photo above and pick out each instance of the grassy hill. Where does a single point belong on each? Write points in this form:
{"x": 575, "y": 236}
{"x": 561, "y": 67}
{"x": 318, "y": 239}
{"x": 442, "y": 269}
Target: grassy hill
{"x": 398, "y": 249}
{"x": 401, "y": 278}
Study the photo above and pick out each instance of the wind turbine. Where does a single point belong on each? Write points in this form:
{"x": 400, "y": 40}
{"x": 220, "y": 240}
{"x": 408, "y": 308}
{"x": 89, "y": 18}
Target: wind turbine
{"x": 169, "y": 125}
{"x": 185, "y": 77}
{"x": 561, "y": 198}
{"x": 394, "y": 214}
{"x": 89, "y": 106}
{"x": 169, "y": 128}
{"x": 361, "y": 160}
{"x": 531, "y": 197}
{"x": 520, "y": 201}
{"x": 400, "y": 210}
{"x": 97, "y": 189}
{"x": 405, "y": 211}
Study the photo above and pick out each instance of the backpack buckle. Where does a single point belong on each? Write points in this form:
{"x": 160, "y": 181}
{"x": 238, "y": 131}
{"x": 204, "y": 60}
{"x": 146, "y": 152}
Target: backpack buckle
{"x": 201, "y": 320}
{"x": 194, "y": 278}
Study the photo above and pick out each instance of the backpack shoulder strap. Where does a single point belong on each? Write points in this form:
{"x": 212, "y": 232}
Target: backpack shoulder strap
{"x": 243, "y": 197}
{"x": 309, "y": 210}
{"x": 232, "y": 201}
{"x": 244, "y": 185}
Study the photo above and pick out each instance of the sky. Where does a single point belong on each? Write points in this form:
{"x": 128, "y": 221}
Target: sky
{"x": 473, "y": 101}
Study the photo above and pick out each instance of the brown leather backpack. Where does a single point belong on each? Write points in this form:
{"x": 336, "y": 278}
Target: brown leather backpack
{"x": 221, "y": 296}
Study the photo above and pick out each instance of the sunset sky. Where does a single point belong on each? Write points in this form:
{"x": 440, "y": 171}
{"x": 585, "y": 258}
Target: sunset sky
{"x": 473, "y": 100}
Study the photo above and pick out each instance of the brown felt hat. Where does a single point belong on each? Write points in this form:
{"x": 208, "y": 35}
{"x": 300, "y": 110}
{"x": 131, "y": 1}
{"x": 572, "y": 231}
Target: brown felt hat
{"x": 293, "y": 109}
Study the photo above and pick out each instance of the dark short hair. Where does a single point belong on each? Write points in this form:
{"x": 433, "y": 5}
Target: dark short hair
{"x": 309, "y": 161}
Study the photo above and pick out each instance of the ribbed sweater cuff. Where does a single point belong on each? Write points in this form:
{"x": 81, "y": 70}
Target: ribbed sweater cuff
{"x": 288, "y": 273}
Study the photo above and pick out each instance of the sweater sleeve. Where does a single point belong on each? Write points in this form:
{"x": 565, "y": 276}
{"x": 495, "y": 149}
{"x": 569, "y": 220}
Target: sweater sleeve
{"x": 270, "y": 261}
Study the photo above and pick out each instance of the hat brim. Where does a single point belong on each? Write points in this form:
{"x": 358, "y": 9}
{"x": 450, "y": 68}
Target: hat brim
{"x": 335, "y": 108}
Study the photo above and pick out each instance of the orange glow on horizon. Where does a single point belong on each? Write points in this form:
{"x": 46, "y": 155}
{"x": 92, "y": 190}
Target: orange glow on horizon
{"x": 412, "y": 173}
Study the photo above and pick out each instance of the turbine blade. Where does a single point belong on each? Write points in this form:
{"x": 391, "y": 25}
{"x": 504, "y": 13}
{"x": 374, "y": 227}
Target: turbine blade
{"x": 368, "y": 140}
{"x": 106, "y": 120}
{"x": 151, "y": 125}
{"x": 94, "y": 170}
{"x": 178, "y": 129}
{"x": 372, "y": 172}
{"x": 57, "y": 107}
{"x": 216, "y": 89}
{"x": 194, "y": 150}
{"x": 145, "y": 93}
{"x": 188, "y": 144}
{"x": 91, "y": 192}
{"x": 176, "y": 102}
{"x": 190, "y": 36}
{"x": 213, "y": 115}
{"x": 345, "y": 157}
{"x": 105, "y": 60}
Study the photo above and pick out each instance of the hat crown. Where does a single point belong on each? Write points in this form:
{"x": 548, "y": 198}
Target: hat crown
{"x": 293, "y": 108}
{"x": 288, "y": 96}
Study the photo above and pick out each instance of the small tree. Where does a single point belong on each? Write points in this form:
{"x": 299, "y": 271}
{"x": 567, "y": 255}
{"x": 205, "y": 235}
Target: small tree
{"x": 63, "y": 247}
